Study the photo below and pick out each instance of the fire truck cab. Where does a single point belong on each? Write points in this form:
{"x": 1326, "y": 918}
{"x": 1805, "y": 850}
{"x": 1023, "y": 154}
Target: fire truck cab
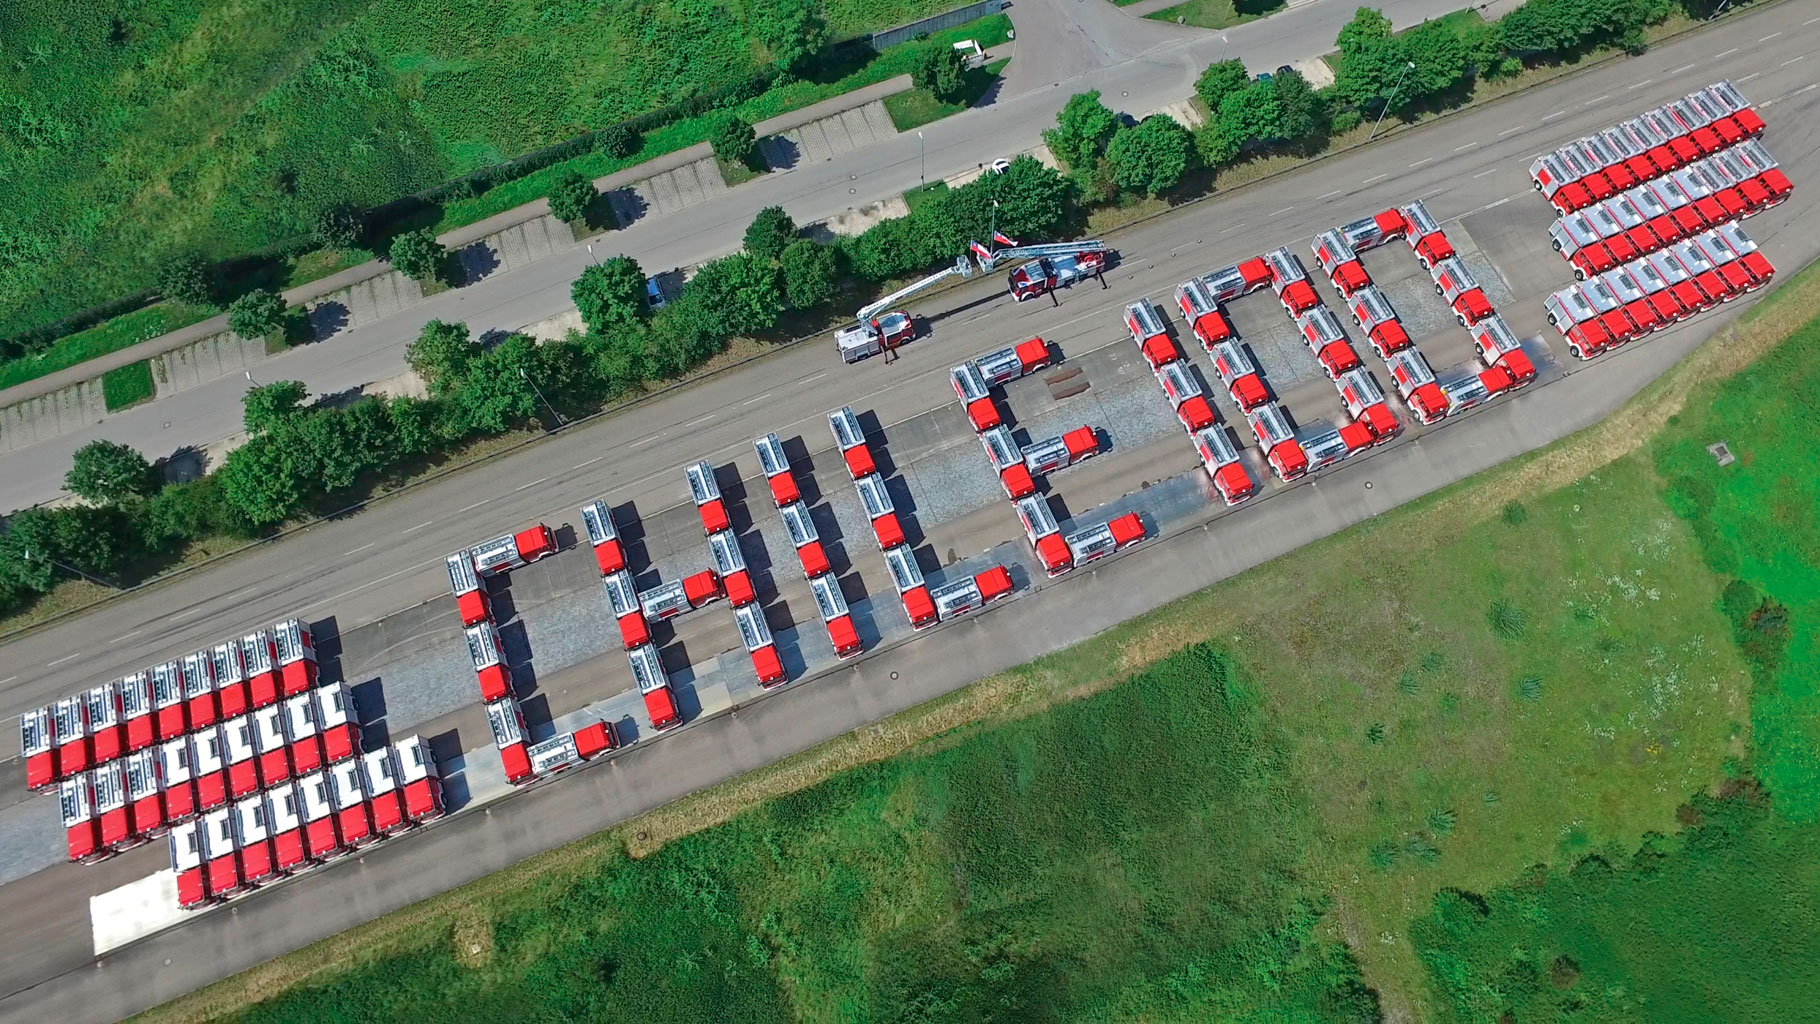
{"x": 1203, "y": 311}
{"x": 730, "y": 564}
{"x": 1327, "y": 340}
{"x": 705, "y": 490}
{"x": 883, "y": 515}
{"x": 1375, "y": 316}
{"x": 603, "y": 537}
{"x": 1185, "y": 396}
{"x": 622, "y": 598}
{"x": 1281, "y": 449}
{"x": 976, "y": 398}
{"x": 1416, "y": 383}
{"x": 776, "y": 466}
{"x": 1456, "y": 284}
{"x": 508, "y": 727}
{"x": 1290, "y": 282}
{"x": 1365, "y": 401}
{"x": 1340, "y": 262}
{"x": 1424, "y": 235}
{"x": 1220, "y": 458}
{"x": 654, "y": 686}
{"x": 1008, "y": 364}
{"x": 489, "y": 660}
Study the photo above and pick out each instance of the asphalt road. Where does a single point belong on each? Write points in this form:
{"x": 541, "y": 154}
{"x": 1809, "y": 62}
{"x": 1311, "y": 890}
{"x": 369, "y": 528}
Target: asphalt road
{"x": 384, "y": 561}
{"x": 1064, "y": 47}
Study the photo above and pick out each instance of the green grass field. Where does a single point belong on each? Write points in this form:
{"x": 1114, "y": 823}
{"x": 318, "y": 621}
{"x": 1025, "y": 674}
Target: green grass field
{"x": 126, "y": 386}
{"x": 1217, "y": 13}
{"x": 224, "y": 125}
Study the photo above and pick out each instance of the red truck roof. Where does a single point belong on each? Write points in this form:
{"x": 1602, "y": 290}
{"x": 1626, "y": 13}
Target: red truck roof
{"x": 610, "y": 557}
{"x": 1034, "y": 354}
{"x": 1196, "y": 414}
{"x": 768, "y": 665}
{"x": 918, "y": 606}
{"x": 1017, "y": 481}
{"x": 702, "y": 587}
{"x": 633, "y": 631}
{"x": 594, "y": 739}
{"x": 859, "y": 461}
{"x": 1299, "y": 297}
{"x": 495, "y": 682}
{"x": 994, "y": 583}
{"x": 1082, "y": 442}
{"x": 1126, "y": 529}
{"x": 783, "y": 489}
{"x": 1473, "y": 305}
{"x": 1249, "y": 392}
{"x": 738, "y": 584}
{"x": 662, "y": 708}
{"x": 473, "y": 607}
{"x": 814, "y": 559}
{"x": 534, "y": 543}
{"x": 517, "y": 763}
{"x": 1234, "y": 483}
{"x": 984, "y": 413}
{"x": 1053, "y": 550}
{"x": 1159, "y": 350}
{"x": 1255, "y": 271}
{"x": 889, "y": 531}
{"x": 1349, "y": 277}
{"x": 844, "y": 637}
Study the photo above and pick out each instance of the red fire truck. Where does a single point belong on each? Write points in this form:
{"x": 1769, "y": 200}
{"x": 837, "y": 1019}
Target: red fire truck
{"x": 1370, "y": 232}
{"x": 106, "y": 735}
{"x": 242, "y": 756}
{"x": 603, "y": 537}
{"x": 852, "y": 442}
{"x": 1327, "y": 340}
{"x": 1498, "y": 346}
{"x": 622, "y": 598}
{"x": 273, "y": 745}
{"x": 1185, "y": 395}
{"x": 1150, "y": 334}
{"x": 1290, "y": 282}
{"x": 755, "y": 633}
{"x": 296, "y": 657}
{"x": 70, "y": 720}
{"x": 38, "y": 745}
{"x": 209, "y": 763}
{"x": 654, "y": 685}
{"x": 776, "y": 466}
{"x": 320, "y": 839}
{"x": 958, "y": 597}
{"x": 304, "y": 733}
{"x": 1005, "y": 365}
{"x": 1281, "y": 449}
{"x": 199, "y": 690}
{"x": 1096, "y": 542}
{"x": 730, "y": 563}
{"x": 186, "y": 864}
{"x": 1374, "y": 315}
{"x": 1461, "y": 290}
{"x": 1044, "y": 535}
{"x": 218, "y": 853}
{"x": 353, "y": 820}
{"x": 470, "y": 596}
{"x": 803, "y": 535}
{"x": 1424, "y": 235}
{"x": 260, "y": 655}
{"x": 907, "y": 576}
{"x": 178, "y": 778}
{"x": 113, "y": 811}
{"x": 509, "y": 738}
{"x": 1416, "y": 383}
{"x": 1240, "y": 375}
{"x": 253, "y": 840}
{"x": 705, "y": 490}
{"x": 230, "y": 679}
{"x": 340, "y": 722}
{"x": 1220, "y": 457}
{"x": 1203, "y": 311}
{"x": 385, "y": 798}
{"x": 145, "y": 792}
{"x": 877, "y": 502}
{"x": 139, "y": 722}
{"x": 168, "y": 708}
{"x": 1341, "y": 263}
{"x": 976, "y": 398}
{"x": 421, "y": 778}
{"x": 1008, "y": 460}
{"x": 81, "y": 827}
{"x": 832, "y": 605}
{"x": 1077, "y": 445}
{"x": 285, "y": 823}
{"x": 1365, "y": 401}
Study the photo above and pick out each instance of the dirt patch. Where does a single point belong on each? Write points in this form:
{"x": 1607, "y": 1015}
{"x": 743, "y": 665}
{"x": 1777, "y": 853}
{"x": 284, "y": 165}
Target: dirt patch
{"x": 473, "y": 940}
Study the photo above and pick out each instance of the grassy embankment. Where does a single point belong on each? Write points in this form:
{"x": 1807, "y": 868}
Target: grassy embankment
{"x": 1527, "y": 667}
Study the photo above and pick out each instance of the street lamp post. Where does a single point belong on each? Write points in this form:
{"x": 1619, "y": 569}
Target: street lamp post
{"x": 591, "y": 255}
{"x": 1408, "y": 66}
{"x": 28, "y": 556}
{"x": 922, "y": 148}
{"x": 539, "y": 392}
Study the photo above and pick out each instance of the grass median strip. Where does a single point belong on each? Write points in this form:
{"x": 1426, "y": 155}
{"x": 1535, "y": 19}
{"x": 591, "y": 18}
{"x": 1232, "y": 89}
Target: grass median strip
{"x": 126, "y": 386}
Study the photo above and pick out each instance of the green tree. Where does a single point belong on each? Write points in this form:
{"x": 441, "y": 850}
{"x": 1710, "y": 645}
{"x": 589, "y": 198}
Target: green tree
{"x": 889, "y": 248}
{"x": 186, "y": 277}
{"x": 419, "y": 256}
{"x": 415, "y": 425}
{"x": 1439, "y": 57}
{"x": 1369, "y": 76}
{"x": 737, "y": 294}
{"x": 1367, "y": 27}
{"x": 1215, "y": 143}
{"x": 259, "y": 313}
{"x": 619, "y": 141}
{"x": 733, "y": 140}
{"x": 809, "y": 273}
{"x": 1033, "y": 200}
{"x": 499, "y": 393}
{"x": 1082, "y": 130}
{"x": 1298, "y": 109}
{"x": 271, "y": 477}
{"x": 770, "y": 231}
{"x": 1485, "y": 51}
{"x": 1151, "y": 157}
{"x": 571, "y": 194}
{"x": 610, "y": 293}
{"x": 1252, "y": 113}
{"x": 941, "y": 69}
{"x": 269, "y": 406}
{"x": 1220, "y": 80}
{"x": 441, "y": 355}
{"x": 793, "y": 31}
{"x": 191, "y": 510}
{"x": 341, "y": 226}
{"x": 108, "y": 473}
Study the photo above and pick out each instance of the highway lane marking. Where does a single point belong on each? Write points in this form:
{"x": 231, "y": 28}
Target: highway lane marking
{"x": 370, "y": 583}
{"x": 1422, "y": 161}
{"x": 8, "y": 679}
{"x": 1482, "y": 174}
{"x": 1680, "y": 69}
{"x": 1493, "y": 205}
{"x": 1728, "y": 53}
{"x": 813, "y": 378}
{"x": 67, "y": 657}
{"x": 1551, "y": 117}
{"x": 1767, "y": 38}
{"x": 701, "y": 420}
{"x": 1750, "y": 76}
{"x": 1809, "y": 21}
{"x": 479, "y": 503}
{"x": 1373, "y": 178}
{"x": 358, "y": 550}
{"x": 1597, "y": 99}
{"x": 755, "y": 401}
{"x": 1469, "y": 145}
{"x": 1285, "y": 209}
{"x": 648, "y": 440}
{"x": 1431, "y": 193}
{"x": 533, "y": 483}
{"x": 186, "y": 614}
{"x": 1231, "y": 228}
{"x": 1791, "y": 60}
{"x": 1638, "y": 85}
{"x": 588, "y": 463}
{"x": 419, "y": 526}
{"x": 131, "y": 635}
{"x": 1507, "y": 131}
{"x": 1328, "y": 195}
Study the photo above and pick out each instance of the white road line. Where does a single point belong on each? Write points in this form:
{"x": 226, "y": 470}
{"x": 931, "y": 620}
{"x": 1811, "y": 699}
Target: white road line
{"x": 1507, "y": 131}
{"x": 1728, "y": 53}
{"x": 356, "y": 551}
{"x": 1494, "y": 205}
{"x": 1805, "y": 88}
{"x": 813, "y": 377}
{"x": 1680, "y": 69}
{"x": 755, "y": 401}
{"x": 1597, "y": 99}
{"x": 419, "y": 526}
{"x": 1493, "y": 170}
{"x": 1422, "y": 161}
{"x": 1328, "y": 195}
{"x": 1750, "y": 76}
{"x": 701, "y": 420}
{"x": 585, "y": 465}
{"x": 8, "y": 679}
{"x": 1285, "y": 209}
{"x": 1431, "y": 193}
{"x": 1809, "y": 21}
{"x": 1231, "y": 228}
{"x": 1791, "y": 60}
{"x": 128, "y": 636}
{"x": 533, "y": 483}
{"x": 1551, "y": 117}
{"x": 472, "y": 507}
{"x": 648, "y": 440}
{"x": 1767, "y": 38}
{"x": 186, "y": 614}
{"x": 1469, "y": 145}
{"x": 1373, "y": 178}
{"x": 67, "y": 657}
{"x": 1638, "y": 85}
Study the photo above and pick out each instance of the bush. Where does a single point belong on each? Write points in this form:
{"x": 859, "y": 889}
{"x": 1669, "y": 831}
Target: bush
{"x": 1345, "y": 121}
{"x": 126, "y": 386}
{"x": 610, "y": 294}
{"x": 571, "y": 194}
{"x": 1081, "y": 131}
{"x": 1150, "y": 158}
{"x": 108, "y": 473}
{"x": 769, "y": 233}
{"x": 620, "y": 141}
{"x": 809, "y": 272}
{"x": 420, "y": 257}
{"x": 341, "y": 226}
{"x": 734, "y": 141}
{"x": 1221, "y": 79}
{"x": 186, "y": 277}
{"x": 259, "y": 313}
{"x": 942, "y": 70}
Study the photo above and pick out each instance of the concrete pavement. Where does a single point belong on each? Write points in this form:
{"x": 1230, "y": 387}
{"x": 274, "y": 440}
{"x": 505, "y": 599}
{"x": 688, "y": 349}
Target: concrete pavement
{"x": 1477, "y": 185}
{"x": 1157, "y": 65}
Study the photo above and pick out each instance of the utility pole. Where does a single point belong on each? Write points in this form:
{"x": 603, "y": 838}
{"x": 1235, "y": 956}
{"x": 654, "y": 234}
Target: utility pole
{"x": 1408, "y": 66}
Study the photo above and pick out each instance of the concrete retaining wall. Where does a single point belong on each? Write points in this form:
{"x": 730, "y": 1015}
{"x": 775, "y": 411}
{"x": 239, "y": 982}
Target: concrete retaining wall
{"x": 958, "y": 16}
